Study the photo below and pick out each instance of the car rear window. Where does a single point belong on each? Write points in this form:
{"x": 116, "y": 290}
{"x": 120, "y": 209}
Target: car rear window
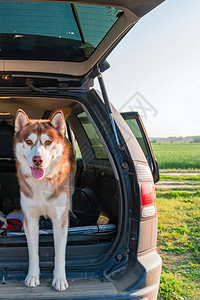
{"x": 53, "y": 30}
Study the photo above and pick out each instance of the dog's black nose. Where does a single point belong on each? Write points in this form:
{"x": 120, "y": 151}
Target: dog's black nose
{"x": 37, "y": 160}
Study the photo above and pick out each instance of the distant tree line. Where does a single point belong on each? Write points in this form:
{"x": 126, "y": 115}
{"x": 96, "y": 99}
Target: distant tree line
{"x": 175, "y": 139}
{"x": 197, "y": 139}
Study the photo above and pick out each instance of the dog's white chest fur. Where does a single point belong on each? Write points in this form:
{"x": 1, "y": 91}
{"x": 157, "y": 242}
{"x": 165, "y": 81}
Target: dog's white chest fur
{"x": 40, "y": 204}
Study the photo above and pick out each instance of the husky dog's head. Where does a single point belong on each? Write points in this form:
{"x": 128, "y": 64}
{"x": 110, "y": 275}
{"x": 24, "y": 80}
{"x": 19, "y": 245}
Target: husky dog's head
{"x": 39, "y": 144}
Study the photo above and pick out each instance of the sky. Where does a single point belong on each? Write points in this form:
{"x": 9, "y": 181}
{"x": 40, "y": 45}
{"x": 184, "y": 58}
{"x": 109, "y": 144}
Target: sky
{"x": 155, "y": 70}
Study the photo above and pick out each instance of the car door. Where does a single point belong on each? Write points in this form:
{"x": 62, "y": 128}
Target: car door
{"x": 136, "y": 125}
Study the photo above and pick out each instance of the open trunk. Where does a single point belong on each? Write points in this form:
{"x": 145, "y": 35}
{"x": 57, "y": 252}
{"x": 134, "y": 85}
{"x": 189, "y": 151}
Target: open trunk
{"x": 94, "y": 216}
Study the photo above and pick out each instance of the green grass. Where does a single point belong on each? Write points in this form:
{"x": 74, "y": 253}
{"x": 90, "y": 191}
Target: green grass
{"x": 177, "y": 156}
{"x": 179, "y": 243}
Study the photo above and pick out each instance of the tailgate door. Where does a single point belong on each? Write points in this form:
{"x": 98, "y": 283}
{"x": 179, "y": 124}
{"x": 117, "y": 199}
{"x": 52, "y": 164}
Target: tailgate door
{"x": 64, "y": 37}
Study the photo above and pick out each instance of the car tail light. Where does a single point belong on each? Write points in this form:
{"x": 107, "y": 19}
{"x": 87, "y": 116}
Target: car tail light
{"x": 147, "y": 191}
{"x": 143, "y": 173}
{"x": 148, "y": 211}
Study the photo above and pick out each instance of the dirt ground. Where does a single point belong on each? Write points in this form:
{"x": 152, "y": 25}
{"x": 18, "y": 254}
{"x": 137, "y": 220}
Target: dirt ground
{"x": 180, "y": 173}
{"x": 178, "y": 184}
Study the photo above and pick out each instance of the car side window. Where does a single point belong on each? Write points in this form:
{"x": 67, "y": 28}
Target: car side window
{"x": 95, "y": 142}
{"x": 133, "y": 124}
{"x": 77, "y": 149}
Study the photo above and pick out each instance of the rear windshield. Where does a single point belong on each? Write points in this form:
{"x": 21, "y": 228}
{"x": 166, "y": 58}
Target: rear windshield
{"x": 53, "y": 30}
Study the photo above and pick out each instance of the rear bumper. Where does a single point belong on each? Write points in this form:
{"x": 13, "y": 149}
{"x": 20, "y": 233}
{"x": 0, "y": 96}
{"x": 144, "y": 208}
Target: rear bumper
{"x": 146, "y": 286}
{"x": 149, "y": 285}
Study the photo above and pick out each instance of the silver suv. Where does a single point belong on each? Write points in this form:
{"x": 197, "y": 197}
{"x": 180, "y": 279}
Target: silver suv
{"x": 50, "y": 53}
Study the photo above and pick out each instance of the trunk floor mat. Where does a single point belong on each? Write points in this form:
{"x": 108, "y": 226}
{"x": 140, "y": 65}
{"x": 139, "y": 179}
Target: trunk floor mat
{"x": 82, "y": 230}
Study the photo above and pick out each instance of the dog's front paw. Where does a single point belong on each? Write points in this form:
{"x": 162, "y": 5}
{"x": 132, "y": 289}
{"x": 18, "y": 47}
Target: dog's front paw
{"x": 60, "y": 283}
{"x": 32, "y": 281}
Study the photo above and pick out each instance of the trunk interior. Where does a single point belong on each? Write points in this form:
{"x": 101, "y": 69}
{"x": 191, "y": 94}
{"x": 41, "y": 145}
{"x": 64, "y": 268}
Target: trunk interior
{"x": 94, "y": 215}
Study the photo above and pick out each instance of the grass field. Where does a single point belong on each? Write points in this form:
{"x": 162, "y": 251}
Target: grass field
{"x": 177, "y": 156}
{"x": 179, "y": 237}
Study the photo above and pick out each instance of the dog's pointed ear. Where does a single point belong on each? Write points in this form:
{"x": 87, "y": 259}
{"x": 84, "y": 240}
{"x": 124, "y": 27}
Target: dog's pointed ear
{"x": 58, "y": 121}
{"x": 21, "y": 120}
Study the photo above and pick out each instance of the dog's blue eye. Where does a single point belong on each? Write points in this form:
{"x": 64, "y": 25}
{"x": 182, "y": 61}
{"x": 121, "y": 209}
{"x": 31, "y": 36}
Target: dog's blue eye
{"x": 48, "y": 142}
{"x": 29, "y": 142}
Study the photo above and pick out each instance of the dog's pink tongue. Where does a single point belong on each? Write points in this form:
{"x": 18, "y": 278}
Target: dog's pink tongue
{"x": 37, "y": 172}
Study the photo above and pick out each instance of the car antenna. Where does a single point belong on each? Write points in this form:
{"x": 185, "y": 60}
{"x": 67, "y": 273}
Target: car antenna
{"x": 107, "y": 103}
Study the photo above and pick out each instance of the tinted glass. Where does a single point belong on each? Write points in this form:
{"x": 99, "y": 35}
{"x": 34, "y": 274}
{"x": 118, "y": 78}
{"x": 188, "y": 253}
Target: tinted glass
{"x": 132, "y": 123}
{"x": 52, "y": 30}
{"x": 97, "y": 146}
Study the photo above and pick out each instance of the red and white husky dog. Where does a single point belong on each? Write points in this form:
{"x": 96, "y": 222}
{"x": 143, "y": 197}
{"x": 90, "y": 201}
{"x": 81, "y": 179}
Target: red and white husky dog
{"x": 45, "y": 169}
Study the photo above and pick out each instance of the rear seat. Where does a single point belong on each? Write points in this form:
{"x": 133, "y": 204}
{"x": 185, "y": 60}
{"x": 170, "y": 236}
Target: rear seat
{"x": 7, "y": 163}
{"x": 9, "y": 189}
